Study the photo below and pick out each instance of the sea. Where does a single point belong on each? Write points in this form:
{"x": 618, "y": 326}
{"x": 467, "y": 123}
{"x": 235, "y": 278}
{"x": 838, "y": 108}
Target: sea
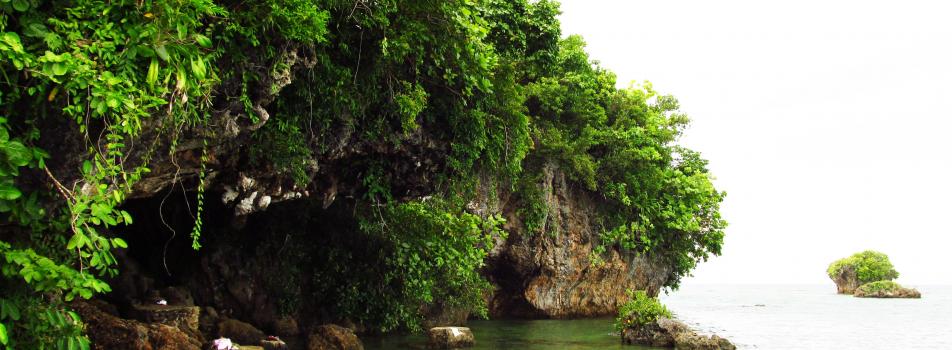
{"x": 815, "y": 317}
{"x": 751, "y": 316}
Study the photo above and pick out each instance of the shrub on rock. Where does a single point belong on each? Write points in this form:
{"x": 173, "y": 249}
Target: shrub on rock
{"x": 885, "y": 289}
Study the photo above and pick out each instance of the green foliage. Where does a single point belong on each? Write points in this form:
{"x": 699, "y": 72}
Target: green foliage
{"x": 282, "y": 145}
{"x": 639, "y": 310}
{"x": 487, "y": 85}
{"x": 870, "y": 266}
{"x": 878, "y": 287}
{"x": 433, "y": 255}
{"x": 621, "y": 144}
{"x": 28, "y": 322}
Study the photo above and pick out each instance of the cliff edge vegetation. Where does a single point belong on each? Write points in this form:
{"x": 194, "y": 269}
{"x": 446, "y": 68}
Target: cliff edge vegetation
{"x": 371, "y": 115}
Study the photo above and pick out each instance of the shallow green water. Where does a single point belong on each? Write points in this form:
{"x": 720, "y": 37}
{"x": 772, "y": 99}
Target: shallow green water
{"x": 534, "y": 334}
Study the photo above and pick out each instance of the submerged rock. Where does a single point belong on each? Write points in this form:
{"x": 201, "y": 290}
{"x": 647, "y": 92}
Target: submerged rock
{"x": 450, "y": 337}
{"x": 886, "y": 289}
{"x": 333, "y": 337}
{"x": 668, "y": 333}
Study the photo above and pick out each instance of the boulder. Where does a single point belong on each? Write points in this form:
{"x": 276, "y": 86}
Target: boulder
{"x": 285, "y": 327}
{"x": 658, "y": 334}
{"x": 240, "y": 332}
{"x": 667, "y": 333}
{"x": 694, "y": 341}
{"x": 274, "y": 344}
{"x": 177, "y": 296}
{"x": 450, "y": 337}
{"x": 208, "y": 320}
{"x": 182, "y": 317}
{"x": 886, "y": 289}
{"x": 333, "y": 337}
{"x": 106, "y": 331}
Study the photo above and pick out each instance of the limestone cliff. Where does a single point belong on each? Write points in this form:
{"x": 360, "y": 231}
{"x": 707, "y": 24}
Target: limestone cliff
{"x": 551, "y": 273}
{"x": 846, "y": 280}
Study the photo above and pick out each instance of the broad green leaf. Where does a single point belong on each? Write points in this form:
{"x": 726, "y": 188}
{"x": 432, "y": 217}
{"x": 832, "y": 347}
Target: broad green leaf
{"x": 162, "y": 52}
{"x": 8, "y": 192}
{"x": 59, "y": 68}
{"x": 12, "y": 40}
{"x": 204, "y": 41}
{"x": 21, "y": 5}
{"x": 198, "y": 68}
{"x": 153, "y": 73}
{"x": 182, "y": 31}
{"x": 17, "y": 153}
{"x": 180, "y": 78}
{"x": 4, "y": 338}
{"x": 118, "y": 242}
{"x": 77, "y": 241}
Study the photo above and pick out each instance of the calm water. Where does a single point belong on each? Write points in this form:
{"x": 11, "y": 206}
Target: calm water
{"x": 815, "y": 317}
{"x": 530, "y": 335}
{"x": 753, "y": 317}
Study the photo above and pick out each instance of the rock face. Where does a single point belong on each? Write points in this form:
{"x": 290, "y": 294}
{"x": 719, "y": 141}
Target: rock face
{"x": 106, "y": 331}
{"x": 333, "y": 337}
{"x": 550, "y": 273}
{"x": 846, "y": 280}
{"x": 450, "y": 337}
{"x": 667, "y": 333}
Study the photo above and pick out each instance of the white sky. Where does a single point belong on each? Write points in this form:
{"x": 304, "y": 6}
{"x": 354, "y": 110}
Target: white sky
{"x": 827, "y": 123}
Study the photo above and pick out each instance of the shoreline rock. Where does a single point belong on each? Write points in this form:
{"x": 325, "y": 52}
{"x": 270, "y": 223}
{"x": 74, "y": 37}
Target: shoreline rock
{"x": 886, "y": 289}
{"x": 450, "y": 337}
{"x": 107, "y": 331}
{"x": 671, "y": 333}
{"x": 333, "y": 337}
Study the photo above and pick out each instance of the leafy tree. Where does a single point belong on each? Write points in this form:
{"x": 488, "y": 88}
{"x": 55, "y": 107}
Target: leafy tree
{"x": 870, "y": 266}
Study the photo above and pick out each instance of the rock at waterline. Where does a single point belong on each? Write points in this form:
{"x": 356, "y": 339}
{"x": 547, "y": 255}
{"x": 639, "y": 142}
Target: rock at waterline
{"x": 451, "y": 337}
{"x": 668, "y": 333}
{"x": 886, "y": 289}
{"x": 333, "y": 337}
{"x": 658, "y": 334}
{"x": 239, "y": 332}
{"x": 181, "y": 317}
{"x": 106, "y": 331}
{"x": 273, "y": 344}
{"x": 694, "y": 341}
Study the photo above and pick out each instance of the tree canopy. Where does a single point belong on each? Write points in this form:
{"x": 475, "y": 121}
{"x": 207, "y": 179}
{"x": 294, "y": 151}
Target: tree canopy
{"x": 870, "y": 266}
{"x": 495, "y": 82}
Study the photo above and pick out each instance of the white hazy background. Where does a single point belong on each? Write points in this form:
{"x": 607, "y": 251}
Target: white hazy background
{"x": 827, "y": 123}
